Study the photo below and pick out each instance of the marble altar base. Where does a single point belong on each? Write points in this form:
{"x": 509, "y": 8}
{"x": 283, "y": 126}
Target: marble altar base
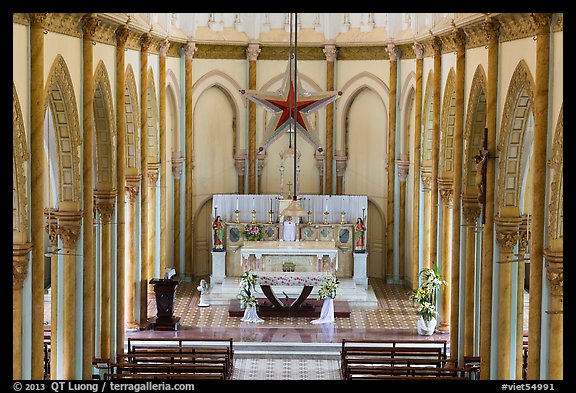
{"x": 310, "y": 309}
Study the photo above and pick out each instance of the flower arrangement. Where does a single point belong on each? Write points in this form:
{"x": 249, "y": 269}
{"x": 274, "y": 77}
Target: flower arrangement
{"x": 253, "y": 232}
{"x": 426, "y": 294}
{"x": 329, "y": 287}
{"x": 247, "y": 288}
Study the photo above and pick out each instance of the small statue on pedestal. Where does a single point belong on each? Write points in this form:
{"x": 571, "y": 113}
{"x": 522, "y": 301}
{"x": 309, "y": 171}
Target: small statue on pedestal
{"x": 218, "y": 229}
{"x": 203, "y": 288}
{"x": 359, "y": 230}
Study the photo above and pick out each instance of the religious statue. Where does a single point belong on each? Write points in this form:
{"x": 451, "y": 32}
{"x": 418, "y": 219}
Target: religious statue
{"x": 359, "y": 230}
{"x": 479, "y": 177}
{"x": 218, "y": 228}
{"x": 203, "y": 288}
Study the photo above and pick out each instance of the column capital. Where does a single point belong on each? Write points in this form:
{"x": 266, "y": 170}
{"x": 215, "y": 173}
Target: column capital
{"x": 20, "y": 254}
{"x": 145, "y": 41}
{"x": 393, "y": 51}
{"x": 252, "y": 51}
{"x": 163, "y": 46}
{"x": 507, "y": 232}
{"x": 51, "y": 226}
{"x": 38, "y": 19}
{"x": 490, "y": 29}
{"x": 240, "y": 164}
{"x": 418, "y": 50}
{"x": 436, "y": 44}
{"x": 177, "y": 164}
{"x": 104, "y": 202}
{"x": 190, "y": 49}
{"x": 89, "y": 23}
{"x": 132, "y": 187}
{"x": 261, "y": 157}
{"x": 330, "y": 52}
{"x": 122, "y": 33}
{"x": 426, "y": 175}
{"x": 471, "y": 209}
{"x": 69, "y": 224}
{"x": 524, "y": 234}
{"x": 403, "y": 169}
{"x": 459, "y": 38}
{"x": 152, "y": 172}
{"x": 341, "y": 163}
{"x": 446, "y": 189}
{"x": 542, "y": 22}
{"x": 555, "y": 270}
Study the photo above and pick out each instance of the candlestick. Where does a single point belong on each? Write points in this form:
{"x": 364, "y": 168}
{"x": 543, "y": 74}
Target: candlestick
{"x": 309, "y": 220}
{"x": 270, "y": 216}
{"x": 253, "y": 217}
{"x": 326, "y": 217}
{"x": 237, "y": 208}
{"x": 342, "y": 214}
{"x": 237, "y": 212}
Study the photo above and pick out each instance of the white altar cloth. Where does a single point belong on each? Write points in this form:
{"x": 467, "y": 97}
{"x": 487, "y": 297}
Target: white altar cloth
{"x": 317, "y": 249}
{"x": 290, "y": 278}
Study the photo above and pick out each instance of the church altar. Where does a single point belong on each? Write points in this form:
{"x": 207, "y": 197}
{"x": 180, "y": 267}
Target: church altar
{"x": 324, "y": 256}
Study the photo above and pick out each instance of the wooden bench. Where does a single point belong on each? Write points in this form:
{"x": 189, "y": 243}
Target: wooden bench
{"x": 115, "y": 376}
{"x": 168, "y": 369}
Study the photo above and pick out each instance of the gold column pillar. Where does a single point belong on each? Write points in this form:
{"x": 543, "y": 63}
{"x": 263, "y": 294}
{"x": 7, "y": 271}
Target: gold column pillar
{"x": 69, "y": 223}
{"x": 330, "y": 52}
{"x": 471, "y": 212}
{"x": 152, "y": 178}
{"x": 447, "y": 198}
{"x": 89, "y": 24}
{"x": 394, "y": 53}
{"x": 176, "y": 174}
{"x": 436, "y": 45}
{"x": 145, "y": 41}
{"x": 37, "y": 97}
{"x": 252, "y": 53}
{"x": 403, "y": 168}
{"x": 19, "y": 271}
{"x": 460, "y": 40}
{"x": 163, "y": 49}
{"x": 341, "y": 162}
{"x": 51, "y": 228}
{"x": 522, "y": 251}
{"x": 506, "y": 238}
{"x": 426, "y": 174}
{"x": 419, "y": 51}
{"x": 132, "y": 187}
{"x": 240, "y": 166}
{"x": 104, "y": 203}
{"x": 189, "y": 50}
{"x": 555, "y": 276}
{"x": 491, "y": 31}
{"x": 542, "y": 79}
{"x": 121, "y": 37}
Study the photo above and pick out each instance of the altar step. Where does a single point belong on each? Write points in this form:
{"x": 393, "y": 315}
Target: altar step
{"x": 356, "y": 295}
{"x": 287, "y": 350}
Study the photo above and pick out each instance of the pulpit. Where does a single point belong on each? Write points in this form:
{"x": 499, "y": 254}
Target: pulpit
{"x": 165, "y": 290}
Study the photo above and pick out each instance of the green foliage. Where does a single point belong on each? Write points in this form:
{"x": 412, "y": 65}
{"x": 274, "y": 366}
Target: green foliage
{"x": 253, "y": 232}
{"x": 426, "y": 294}
{"x": 329, "y": 287}
{"x": 247, "y": 288}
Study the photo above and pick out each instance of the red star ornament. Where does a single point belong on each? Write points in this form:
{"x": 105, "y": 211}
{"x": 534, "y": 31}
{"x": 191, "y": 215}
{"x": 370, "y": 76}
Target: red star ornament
{"x": 280, "y": 104}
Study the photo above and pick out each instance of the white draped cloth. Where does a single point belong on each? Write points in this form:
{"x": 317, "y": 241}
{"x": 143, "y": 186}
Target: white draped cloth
{"x": 327, "y": 312}
{"x": 289, "y": 231}
{"x": 250, "y": 315}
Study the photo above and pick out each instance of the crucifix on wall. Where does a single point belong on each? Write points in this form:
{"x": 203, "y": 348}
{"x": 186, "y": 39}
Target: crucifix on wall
{"x": 480, "y": 178}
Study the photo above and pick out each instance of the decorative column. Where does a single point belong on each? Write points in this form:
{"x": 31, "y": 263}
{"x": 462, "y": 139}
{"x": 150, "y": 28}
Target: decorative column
{"x": 145, "y": 41}
{"x": 19, "y": 271}
{"x": 176, "y": 174}
{"x": 555, "y": 276}
{"x": 131, "y": 189}
{"x": 252, "y": 52}
{"x": 240, "y": 165}
{"x": 152, "y": 178}
{"x": 460, "y": 40}
{"x": 37, "y": 97}
{"x": 51, "y": 228}
{"x": 104, "y": 203}
{"x": 403, "y": 169}
{"x": 69, "y": 223}
{"x": 319, "y": 157}
{"x": 121, "y": 37}
{"x": 491, "y": 32}
{"x": 471, "y": 212}
{"x": 426, "y": 174}
{"x": 524, "y": 236}
{"x": 89, "y": 24}
{"x": 261, "y": 157}
{"x": 341, "y": 162}
{"x": 436, "y": 45}
{"x": 330, "y": 53}
{"x": 447, "y": 198}
{"x": 162, "y": 50}
{"x": 189, "y": 50}
{"x": 419, "y": 51}
{"x": 394, "y": 53}
{"x": 542, "y": 79}
{"x": 506, "y": 238}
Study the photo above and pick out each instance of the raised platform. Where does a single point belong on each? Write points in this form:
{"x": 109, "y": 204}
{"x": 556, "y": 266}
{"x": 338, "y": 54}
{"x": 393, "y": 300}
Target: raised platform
{"x": 311, "y": 308}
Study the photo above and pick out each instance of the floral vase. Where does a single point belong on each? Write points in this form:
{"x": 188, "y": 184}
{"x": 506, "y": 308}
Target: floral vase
{"x": 426, "y": 329}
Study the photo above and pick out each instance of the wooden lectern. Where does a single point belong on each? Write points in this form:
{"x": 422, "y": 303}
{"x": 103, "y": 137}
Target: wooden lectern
{"x": 165, "y": 290}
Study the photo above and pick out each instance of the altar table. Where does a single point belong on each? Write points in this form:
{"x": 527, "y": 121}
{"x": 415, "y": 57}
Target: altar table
{"x": 306, "y": 279}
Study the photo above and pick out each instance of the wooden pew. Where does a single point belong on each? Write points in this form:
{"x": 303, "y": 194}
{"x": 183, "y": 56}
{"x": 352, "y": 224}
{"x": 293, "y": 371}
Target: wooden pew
{"x": 115, "y": 376}
{"x": 168, "y": 369}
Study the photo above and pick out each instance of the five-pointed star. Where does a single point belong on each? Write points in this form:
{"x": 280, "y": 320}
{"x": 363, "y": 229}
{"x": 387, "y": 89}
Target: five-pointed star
{"x": 281, "y": 104}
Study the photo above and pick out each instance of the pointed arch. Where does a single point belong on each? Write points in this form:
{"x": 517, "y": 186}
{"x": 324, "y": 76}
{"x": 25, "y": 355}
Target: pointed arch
{"x": 406, "y": 107}
{"x": 517, "y": 110}
{"x": 152, "y": 123}
{"x": 427, "y": 120}
{"x": 447, "y": 127}
{"x": 132, "y": 121}
{"x": 20, "y": 156}
{"x": 474, "y": 129}
{"x": 173, "y": 100}
{"x": 105, "y": 130}
{"x": 556, "y": 203}
{"x": 60, "y": 96}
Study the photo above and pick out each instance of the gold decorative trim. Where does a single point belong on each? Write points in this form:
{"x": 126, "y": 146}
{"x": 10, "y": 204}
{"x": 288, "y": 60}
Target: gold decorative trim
{"x": 447, "y": 128}
{"x": 67, "y": 24}
{"x": 105, "y": 174}
{"x": 516, "y": 26}
{"x": 426, "y": 136}
{"x": 555, "y": 205}
{"x": 559, "y": 24}
{"x": 21, "y": 18}
{"x": 283, "y": 53}
{"x": 132, "y": 138}
{"x": 20, "y": 155}
{"x": 477, "y": 91}
{"x": 20, "y": 264}
{"x": 363, "y": 53}
{"x": 214, "y": 51}
{"x": 152, "y": 123}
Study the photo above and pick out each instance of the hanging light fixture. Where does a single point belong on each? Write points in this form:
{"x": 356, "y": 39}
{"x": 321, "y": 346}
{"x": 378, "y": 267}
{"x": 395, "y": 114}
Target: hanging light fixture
{"x": 295, "y": 209}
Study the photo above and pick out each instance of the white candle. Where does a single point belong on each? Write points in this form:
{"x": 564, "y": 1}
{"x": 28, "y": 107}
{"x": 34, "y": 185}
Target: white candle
{"x": 270, "y": 204}
{"x": 252, "y": 203}
{"x": 237, "y": 203}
